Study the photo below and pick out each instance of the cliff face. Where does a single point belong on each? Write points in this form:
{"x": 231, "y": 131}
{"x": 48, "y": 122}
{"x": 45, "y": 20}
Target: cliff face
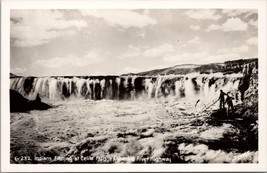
{"x": 249, "y": 92}
{"x": 248, "y": 109}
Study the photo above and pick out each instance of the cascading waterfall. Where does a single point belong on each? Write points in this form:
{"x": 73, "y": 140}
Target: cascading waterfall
{"x": 191, "y": 87}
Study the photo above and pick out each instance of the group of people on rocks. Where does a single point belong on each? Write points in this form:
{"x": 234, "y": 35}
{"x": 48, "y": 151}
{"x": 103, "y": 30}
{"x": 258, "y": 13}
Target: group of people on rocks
{"x": 228, "y": 101}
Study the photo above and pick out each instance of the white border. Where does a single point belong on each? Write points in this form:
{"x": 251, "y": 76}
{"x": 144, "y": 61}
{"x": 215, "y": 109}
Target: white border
{"x": 208, "y": 4}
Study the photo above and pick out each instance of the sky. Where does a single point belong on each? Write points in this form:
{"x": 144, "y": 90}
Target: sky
{"x": 113, "y": 42}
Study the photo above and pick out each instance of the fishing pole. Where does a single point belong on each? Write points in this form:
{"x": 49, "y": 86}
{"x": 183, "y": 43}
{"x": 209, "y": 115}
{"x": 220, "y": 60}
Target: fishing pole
{"x": 211, "y": 104}
{"x": 207, "y": 107}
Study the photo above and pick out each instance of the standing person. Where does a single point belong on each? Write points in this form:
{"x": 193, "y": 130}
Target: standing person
{"x": 38, "y": 99}
{"x": 221, "y": 98}
{"x": 229, "y": 103}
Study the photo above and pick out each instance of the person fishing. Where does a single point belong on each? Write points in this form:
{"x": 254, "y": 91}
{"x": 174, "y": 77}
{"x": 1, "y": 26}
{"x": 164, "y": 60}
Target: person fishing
{"x": 229, "y": 102}
{"x": 221, "y": 98}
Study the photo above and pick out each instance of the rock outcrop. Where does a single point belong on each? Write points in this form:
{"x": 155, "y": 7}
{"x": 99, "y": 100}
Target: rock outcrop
{"x": 20, "y": 104}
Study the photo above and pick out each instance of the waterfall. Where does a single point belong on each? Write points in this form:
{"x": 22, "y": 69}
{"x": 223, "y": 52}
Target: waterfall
{"x": 191, "y": 87}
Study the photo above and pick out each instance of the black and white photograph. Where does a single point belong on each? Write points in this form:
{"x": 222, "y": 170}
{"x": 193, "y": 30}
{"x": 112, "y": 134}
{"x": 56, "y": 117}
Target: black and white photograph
{"x": 157, "y": 86}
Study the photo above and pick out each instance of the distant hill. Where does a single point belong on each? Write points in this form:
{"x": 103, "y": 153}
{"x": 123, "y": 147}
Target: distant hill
{"x": 11, "y": 75}
{"x": 234, "y": 66}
